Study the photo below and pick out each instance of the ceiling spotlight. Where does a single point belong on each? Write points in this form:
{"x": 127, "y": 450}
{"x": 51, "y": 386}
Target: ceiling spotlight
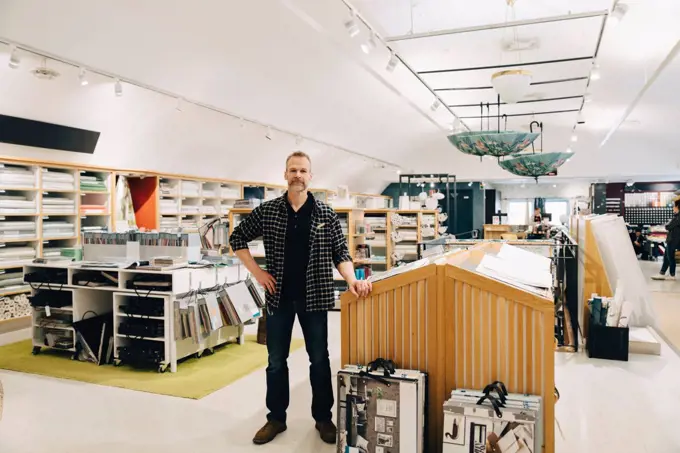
{"x": 574, "y": 137}
{"x": 569, "y": 150}
{"x": 268, "y": 134}
{"x": 351, "y": 25}
{"x": 617, "y": 13}
{"x": 595, "y": 72}
{"x": 470, "y": 184}
{"x": 118, "y": 88}
{"x": 82, "y": 76}
{"x": 14, "y": 60}
{"x": 392, "y": 64}
{"x": 630, "y": 182}
{"x": 369, "y": 45}
{"x": 398, "y": 172}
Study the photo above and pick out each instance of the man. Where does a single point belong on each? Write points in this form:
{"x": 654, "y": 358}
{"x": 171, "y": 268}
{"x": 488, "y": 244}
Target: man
{"x": 303, "y": 240}
{"x": 672, "y": 244}
{"x": 638, "y": 244}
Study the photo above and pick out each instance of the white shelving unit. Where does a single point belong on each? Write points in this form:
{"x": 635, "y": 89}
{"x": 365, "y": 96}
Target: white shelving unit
{"x": 108, "y": 299}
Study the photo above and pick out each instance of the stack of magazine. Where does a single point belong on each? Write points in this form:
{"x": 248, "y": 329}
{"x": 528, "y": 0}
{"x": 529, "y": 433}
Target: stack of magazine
{"x": 199, "y": 313}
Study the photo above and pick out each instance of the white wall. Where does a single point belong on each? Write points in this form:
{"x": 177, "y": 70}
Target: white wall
{"x": 144, "y": 130}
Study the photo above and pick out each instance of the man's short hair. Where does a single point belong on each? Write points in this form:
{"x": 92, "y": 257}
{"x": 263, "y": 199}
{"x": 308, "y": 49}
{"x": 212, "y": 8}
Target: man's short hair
{"x": 299, "y": 154}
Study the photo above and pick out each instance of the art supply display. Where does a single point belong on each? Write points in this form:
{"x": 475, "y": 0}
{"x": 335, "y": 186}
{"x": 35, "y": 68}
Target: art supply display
{"x": 380, "y": 410}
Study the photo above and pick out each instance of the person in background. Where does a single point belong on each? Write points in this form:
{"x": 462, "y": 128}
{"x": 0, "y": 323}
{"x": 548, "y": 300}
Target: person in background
{"x": 672, "y": 244}
{"x": 303, "y": 242}
{"x": 638, "y": 241}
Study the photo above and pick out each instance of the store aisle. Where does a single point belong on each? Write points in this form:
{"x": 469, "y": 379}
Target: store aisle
{"x": 598, "y": 399}
{"x": 666, "y": 300}
{"x": 73, "y": 417}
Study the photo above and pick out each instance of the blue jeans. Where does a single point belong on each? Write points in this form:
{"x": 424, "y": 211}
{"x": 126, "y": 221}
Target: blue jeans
{"x": 315, "y": 330}
{"x": 669, "y": 259}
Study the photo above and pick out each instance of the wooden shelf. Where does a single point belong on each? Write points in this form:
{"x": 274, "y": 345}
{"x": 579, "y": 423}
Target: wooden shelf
{"x": 14, "y": 292}
{"x": 11, "y": 241}
{"x": 20, "y": 189}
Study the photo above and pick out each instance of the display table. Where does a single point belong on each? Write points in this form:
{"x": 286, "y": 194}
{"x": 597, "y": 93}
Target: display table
{"x": 463, "y": 328}
{"x": 93, "y": 301}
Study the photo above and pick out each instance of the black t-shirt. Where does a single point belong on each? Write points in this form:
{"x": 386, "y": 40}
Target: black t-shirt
{"x": 296, "y": 253}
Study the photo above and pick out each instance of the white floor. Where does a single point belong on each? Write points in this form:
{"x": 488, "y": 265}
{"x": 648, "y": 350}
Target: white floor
{"x": 606, "y": 407}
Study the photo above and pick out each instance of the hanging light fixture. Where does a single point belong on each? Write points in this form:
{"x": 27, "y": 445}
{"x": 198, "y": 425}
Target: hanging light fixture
{"x": 535, "y": 164}
{"x": 512, "y": 85}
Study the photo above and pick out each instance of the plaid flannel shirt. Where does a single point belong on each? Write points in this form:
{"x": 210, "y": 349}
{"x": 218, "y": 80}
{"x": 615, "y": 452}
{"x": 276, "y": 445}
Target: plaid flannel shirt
{"x": 327, "y": 248}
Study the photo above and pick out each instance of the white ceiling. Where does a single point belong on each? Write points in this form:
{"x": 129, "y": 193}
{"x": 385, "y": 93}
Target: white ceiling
{"x": 290, "y": 63}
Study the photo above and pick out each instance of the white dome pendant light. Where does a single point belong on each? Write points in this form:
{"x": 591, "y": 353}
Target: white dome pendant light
{"x": 512, "y": 85}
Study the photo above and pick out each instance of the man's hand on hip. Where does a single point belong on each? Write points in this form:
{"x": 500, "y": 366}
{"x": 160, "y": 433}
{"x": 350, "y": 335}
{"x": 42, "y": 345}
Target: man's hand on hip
{"x": 266, "y": 280}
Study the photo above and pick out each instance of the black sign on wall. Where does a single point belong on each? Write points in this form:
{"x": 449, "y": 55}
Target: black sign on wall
{"x": 38, "y": 134}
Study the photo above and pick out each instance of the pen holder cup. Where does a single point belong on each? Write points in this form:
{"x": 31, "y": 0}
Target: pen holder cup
{"x": 608, "y": 342}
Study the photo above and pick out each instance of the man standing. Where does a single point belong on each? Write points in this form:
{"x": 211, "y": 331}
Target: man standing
{"x": 672, "y": 244}
{"x": 303, "y": 241}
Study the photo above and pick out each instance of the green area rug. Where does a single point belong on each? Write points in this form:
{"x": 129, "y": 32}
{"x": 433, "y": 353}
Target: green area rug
{"x": 195, "y": 378}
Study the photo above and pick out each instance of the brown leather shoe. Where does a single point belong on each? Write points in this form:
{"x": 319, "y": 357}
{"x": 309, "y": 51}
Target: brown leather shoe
{"x": 327, "y": 431}
{"x": 268, "y": 432}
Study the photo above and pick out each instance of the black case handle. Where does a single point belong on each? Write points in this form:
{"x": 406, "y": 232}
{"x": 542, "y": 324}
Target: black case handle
{"x": 493, "y": 402}
{"x": 500, "y": 389}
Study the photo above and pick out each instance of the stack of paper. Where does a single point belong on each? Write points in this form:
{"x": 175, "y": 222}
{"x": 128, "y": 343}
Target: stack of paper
{"x": 58, "y": 229}
{"x": 16, "y": 256}
{"x": 167, "y": 189}
{"x": 190, "y": 189}
{"x": 16, "y": 177}
{"x": 58, "y": 205}
{"x": 230, "y": 193}
{"x": 169, "y": 206}
{"x": 11, "y": 280}
{"x": 17, "y": 230}
{"x": 92, "y": 183}
{"x": 190, "y": 209}
{"x": 209, "y": 193}
{"x": 17, "y": 204}
{"x": 57, "y": 180}
{"x": 93, "y": 209}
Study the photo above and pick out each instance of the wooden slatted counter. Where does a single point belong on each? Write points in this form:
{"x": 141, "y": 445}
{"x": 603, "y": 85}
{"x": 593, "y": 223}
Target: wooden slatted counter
{"x": 462, "y": 328}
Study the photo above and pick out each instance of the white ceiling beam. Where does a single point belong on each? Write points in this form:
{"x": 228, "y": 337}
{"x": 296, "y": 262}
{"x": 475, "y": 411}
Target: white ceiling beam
{"x": 517, "y": 23}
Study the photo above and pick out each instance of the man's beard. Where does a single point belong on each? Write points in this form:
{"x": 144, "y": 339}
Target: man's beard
{"x": 297, "y": 185}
